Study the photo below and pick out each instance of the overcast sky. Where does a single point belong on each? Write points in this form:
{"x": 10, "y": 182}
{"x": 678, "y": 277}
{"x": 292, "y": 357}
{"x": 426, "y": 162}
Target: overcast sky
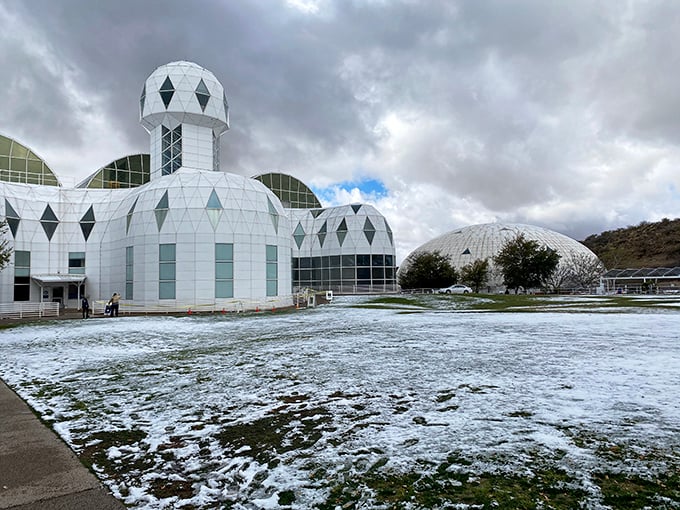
{"x": 443, "y": 114}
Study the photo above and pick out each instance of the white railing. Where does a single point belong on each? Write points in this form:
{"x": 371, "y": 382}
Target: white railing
{"x": 27, "y": 309}
{"x": 174, "y": 306}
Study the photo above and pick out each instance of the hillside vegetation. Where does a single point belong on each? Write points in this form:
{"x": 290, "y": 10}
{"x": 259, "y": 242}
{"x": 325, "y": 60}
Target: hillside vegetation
{"x": 644, "y": 245}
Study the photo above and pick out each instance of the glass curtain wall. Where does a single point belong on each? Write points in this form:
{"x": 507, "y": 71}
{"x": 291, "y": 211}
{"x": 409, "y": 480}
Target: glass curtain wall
{"x": 346, "y": 273}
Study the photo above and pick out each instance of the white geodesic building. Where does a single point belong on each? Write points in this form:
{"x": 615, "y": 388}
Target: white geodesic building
{"x": 170, "y": 230}
{"x": 348, "y": 248}
{"x": 478, "y": 242}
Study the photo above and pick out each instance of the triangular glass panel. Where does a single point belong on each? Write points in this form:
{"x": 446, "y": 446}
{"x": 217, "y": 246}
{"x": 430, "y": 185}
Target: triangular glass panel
{"x": 161, "y": 210}
{"x": 466, "y": 252}
{"x": 163, "y": 202}
{"x": 316, "y": 212}
{"x": 342, "y": 231}
{"x": 356, "y": 207}
{"x": 160, "y": 217}
{"x": 12, "y": 218}
{"x": 129, "y": 216}
{"x": 9, "y": 210}
{"x": 142, "y": 100}
{"x": 299, "y": 235}
{"x": 87, "y": 222}
{"x": 13, "y": 225}
{"x": 48, "y": 215}
{"x": 167, "y": 91}
{"x": 369, "y": 231}
{"x": 49, "y": 222}
{"x": 88, "y": 216}
{"x": 214, "y": 217}
{"x": 214, "y": 201}
{"x": 202, "y": 94}
{"x": 389, "y": 233}
{"x": 321, "y": 234}
{"x": 272, "y": 209}
{"x": 87, "y": 229}
{"x": 273, "y": 215}
{"x": 202, "y": 89}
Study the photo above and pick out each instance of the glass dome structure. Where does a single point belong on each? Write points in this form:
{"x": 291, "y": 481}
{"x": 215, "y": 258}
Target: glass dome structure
{"x": 20, "y": 164}
{"x": 465, "y": 245}
{"x": 293, "y": 193}
{"x": 128, "y": 172}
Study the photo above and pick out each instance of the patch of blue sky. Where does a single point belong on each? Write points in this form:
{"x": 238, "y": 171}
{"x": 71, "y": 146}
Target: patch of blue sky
{"x": 373, "y": 188}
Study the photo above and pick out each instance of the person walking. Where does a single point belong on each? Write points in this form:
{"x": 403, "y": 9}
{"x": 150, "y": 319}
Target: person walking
{"x": 114, "y": 304}
{"x": 85, "y": 306}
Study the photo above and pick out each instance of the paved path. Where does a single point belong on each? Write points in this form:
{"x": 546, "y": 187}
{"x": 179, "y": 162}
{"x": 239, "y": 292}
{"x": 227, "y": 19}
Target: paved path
{"x": 37, "y": 470}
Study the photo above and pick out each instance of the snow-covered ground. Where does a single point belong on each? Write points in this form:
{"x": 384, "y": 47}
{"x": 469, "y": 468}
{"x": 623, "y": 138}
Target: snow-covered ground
{"x": 239, "y": 410}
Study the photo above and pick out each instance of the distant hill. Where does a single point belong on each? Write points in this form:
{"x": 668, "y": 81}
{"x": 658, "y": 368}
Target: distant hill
{"x": 644, "y": 245}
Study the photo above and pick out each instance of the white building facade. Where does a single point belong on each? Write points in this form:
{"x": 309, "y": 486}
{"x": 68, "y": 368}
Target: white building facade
{"x": 171, "y": 230}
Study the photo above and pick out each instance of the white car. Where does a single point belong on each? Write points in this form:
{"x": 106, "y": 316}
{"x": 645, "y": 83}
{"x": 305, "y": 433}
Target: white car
{"x": 455, "y": 289}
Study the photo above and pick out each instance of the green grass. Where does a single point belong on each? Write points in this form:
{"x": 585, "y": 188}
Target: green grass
{"x": 518, "y": 303}
{"x": 388, "y": 302}
{"x": 546, "y": 485}
{"x": 453, "y": 484}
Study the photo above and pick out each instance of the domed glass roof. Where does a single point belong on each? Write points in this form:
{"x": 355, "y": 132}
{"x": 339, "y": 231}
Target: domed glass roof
{"x": 128, "y": 172}
{"x": 293, "y": 193}
{"x": 20, "y": 164}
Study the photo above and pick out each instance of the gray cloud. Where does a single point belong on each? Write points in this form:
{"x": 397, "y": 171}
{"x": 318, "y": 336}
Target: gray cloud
{"x": 545, "y": 112}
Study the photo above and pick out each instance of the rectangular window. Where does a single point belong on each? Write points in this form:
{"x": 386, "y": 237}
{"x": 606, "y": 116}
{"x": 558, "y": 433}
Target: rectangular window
{"x": 76, "y": 262}
{"x": 22, "y": 276}
{"x": 129, "y": 271}
{"x": 166, "y": 271}
{"x": 363, "y": 260}
{"x": 272, "y": 270}
{"x": 224, "y": 270}
{"x": 348, "y": 261}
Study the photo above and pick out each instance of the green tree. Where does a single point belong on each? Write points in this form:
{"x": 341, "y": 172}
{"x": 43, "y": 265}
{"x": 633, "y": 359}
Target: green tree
{"x": 428, "y": 270}
{"x": 5, "y": 248}
{"x": 525, "y": 263}
{"x": 475, "y": 274}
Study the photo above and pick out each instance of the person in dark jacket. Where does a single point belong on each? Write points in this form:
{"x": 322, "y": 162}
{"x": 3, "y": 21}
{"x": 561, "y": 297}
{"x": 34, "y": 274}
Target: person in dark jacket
{"x": 85, "y": 306}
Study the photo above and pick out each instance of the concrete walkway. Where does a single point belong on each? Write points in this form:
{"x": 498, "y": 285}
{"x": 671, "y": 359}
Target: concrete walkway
{"x": 37, "y": 470}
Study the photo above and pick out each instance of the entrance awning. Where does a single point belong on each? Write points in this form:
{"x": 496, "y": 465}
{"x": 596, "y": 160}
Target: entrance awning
{"x": 56, "y": 280}
{"x": 49, "y": 280}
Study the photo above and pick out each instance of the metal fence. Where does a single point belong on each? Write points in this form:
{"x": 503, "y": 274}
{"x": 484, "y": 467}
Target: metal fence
{"x": 175, "y": 307}
{"x": 27, "y": 309}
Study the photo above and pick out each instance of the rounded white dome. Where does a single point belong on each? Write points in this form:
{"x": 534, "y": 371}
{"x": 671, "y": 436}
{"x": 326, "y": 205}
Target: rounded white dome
{"x": 186, "y": 92}
{"x": 465, "y": 245}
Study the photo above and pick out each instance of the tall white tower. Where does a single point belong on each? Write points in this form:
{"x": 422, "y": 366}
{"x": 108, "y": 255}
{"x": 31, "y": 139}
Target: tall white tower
{"x": 185, "y": 111}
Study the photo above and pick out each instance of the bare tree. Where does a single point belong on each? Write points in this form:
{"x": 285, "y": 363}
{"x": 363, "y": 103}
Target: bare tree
{"x": 586, "y": 270}
{"x": 562, "y": 276}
